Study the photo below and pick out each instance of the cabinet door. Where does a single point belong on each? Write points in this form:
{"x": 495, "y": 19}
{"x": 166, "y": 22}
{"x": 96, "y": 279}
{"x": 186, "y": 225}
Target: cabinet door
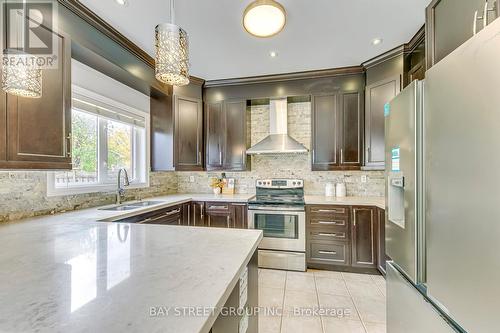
{"x": 197, "y": 214}
{"x": 186, "y": 213}
{"x": 3, "y": 124}
{"x": 351, "y": 130}
{"x": 364, "y": 231}
{"x": 188, "y": 134}
{"x": 162, "y": 131}
{"x": 381, "y": 256}
{"x": 239, "y": 216}
{"x": 214, "y": 135}
{"x": 377, "y": 96}
{"x": 39, "y": 129}
{"x": 219, "y": 220}
{"x": 324, "y": 132}
{"x": 444, "y": 34}
{"x": 235, "y": 146}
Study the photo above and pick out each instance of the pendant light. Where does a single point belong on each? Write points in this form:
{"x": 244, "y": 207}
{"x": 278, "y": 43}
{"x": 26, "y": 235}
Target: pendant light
{"x": 264, "y": 18}
{"x": 172, "y": 52}
{"x": 20, "y": 75}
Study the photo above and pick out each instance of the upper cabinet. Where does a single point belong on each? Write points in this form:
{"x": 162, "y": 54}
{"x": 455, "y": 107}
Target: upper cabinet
{"x": 226, "y": 135}
{"x": 188, "y": 134}
{"x": 337, "y": 127}
{"x": 176, "y": 130}
{"x": 35, "y": 133}
{"x": 449, "y": 23}
{"x": 378, "y": 95}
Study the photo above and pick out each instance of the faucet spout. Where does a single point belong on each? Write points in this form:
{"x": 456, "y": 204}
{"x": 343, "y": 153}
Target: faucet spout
{"x": 120, "y": 190}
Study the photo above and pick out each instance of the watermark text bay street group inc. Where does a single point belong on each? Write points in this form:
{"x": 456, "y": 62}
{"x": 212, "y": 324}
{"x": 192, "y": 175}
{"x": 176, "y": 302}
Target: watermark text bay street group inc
{"x": 194, "y": 311}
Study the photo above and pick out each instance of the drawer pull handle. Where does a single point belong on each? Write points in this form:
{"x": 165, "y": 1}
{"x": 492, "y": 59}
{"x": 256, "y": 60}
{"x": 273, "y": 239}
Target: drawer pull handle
{"x": 327, "y": 222}
{"x": 330, "y": 211}
{"x": 217, "y": 207}
{"x": 329, "y": 235}
{"x": 327, "y": 252}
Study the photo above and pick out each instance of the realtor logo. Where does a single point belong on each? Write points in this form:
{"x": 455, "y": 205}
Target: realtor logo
{"x": 29, "y": 32}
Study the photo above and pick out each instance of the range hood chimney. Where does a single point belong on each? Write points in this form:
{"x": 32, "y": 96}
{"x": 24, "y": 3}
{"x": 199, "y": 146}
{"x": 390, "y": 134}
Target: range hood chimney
{"x": 278, "y": 141}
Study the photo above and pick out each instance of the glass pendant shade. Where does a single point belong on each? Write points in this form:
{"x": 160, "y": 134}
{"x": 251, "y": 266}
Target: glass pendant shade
{"x": 264, "y": 18}
{"x": 21, "y": 76}
{"x": 172, "y": 55}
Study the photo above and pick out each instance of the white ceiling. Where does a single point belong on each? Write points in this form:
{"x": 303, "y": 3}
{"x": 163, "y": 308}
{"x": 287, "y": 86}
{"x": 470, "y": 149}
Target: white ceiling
{"x": 319, "y": 33}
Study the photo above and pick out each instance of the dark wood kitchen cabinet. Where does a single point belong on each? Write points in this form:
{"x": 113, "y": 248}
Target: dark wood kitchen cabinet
{"x": 337, "y": 131}
{"x": 35, "y": 133}
{"x": 364, "y": 237}
{"x": 239, "y": 211}
{"x": 188, "y": 134}
{"x": 342, "y": 238}
{"x": 449, "y": 23}
{"x": 226, "y": 137}
{"x": 197, "y": 215}
{"x": 324, "y": 132}
{"x": 381, "y": 255}
{"x": 226, "y": 215}
{"x": 377, "y": 96}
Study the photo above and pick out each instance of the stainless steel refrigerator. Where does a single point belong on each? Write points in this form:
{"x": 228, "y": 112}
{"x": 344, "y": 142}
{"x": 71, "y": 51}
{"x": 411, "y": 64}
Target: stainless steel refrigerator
{"x": 443, "y": 194}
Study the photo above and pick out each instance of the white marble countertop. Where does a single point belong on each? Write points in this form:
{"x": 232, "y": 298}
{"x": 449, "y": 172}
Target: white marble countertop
{"x": 70, "y": 274}
{"x": 350, "y": 201}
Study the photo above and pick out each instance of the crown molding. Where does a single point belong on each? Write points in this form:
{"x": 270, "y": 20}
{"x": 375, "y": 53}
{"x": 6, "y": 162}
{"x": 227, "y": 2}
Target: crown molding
{"x": 109, "y": 31}
{"x": 395, "y": 52}
{"x": 286, "y": 77}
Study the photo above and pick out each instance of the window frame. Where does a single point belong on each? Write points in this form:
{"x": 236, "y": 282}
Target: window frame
{"x": 52, "y": 190}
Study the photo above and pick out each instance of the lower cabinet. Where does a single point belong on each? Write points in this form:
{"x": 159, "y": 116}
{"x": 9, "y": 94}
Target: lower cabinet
{"x": 381, "y": 255}
{"x": 197, "y": 214}
{"x": 364, "y": 231}
{"x": 342, "y": 237}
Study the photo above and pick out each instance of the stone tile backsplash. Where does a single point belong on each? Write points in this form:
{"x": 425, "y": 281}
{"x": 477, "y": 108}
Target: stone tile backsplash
{"x": 24, "y": 193}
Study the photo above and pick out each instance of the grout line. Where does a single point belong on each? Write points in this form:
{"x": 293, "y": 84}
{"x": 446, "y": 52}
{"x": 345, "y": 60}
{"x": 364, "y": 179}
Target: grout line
{"x": 319, "y": 305}
{"x": 355, "y": 306}
{"x": 283, "y": 303}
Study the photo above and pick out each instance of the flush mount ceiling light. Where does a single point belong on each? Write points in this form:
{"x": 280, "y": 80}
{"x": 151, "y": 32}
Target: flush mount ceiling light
{"x": 264, "y": 18}
{"x": 122, "y": 2}
{"x": 273, "y": 54}
{"x": 20, "y": 75}
{"x": 172, "y": 52}
{"x": 377, "y": 41}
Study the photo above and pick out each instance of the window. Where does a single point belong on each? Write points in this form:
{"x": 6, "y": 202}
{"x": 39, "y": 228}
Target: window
{"x": 106, "y": 137}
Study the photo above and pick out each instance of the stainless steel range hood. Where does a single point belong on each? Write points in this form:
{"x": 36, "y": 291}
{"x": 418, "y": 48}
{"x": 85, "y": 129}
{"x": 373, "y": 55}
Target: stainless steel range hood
{"x": 278, "y": 141}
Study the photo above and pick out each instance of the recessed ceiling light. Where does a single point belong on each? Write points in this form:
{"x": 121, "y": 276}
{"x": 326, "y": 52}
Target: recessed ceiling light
{"x": 264, "y": 18}
{"x": 122, "y": 2}
{"x": 377, "y": 41}
{"x": 273, "y": 54}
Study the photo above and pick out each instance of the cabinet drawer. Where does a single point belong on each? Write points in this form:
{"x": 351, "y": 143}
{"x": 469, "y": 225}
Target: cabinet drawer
{"x": 328, "y": 210}
{"x": 329, "y": 252}
{"x": 328, "y": 235}
{"x": 336, "y": 222}
{"x": 217, "y": 206}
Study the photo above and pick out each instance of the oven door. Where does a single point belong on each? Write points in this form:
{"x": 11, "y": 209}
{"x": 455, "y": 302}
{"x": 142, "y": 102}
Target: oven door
{"x": 283, "y": 230}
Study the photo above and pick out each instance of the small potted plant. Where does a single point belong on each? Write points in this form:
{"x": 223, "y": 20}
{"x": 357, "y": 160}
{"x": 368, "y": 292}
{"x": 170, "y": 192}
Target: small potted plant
{"x": 216, "y": 184}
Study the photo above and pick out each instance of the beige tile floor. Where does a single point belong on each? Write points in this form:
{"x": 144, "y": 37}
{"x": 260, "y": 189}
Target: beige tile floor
{"x": 355, "y": 302}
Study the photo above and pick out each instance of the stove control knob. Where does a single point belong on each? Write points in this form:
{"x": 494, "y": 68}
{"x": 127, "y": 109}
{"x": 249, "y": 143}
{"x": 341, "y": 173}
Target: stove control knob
{"x": 295, "y": 183}
{"x": 259, "y": 183}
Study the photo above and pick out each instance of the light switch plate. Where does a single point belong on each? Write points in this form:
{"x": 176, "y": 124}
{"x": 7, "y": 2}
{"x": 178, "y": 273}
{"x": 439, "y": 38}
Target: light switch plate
{"x": 191, "y": 179}
{"x": 363, "y": 179}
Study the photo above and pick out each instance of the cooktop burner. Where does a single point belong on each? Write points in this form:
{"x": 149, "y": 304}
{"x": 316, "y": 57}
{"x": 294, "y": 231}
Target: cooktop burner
{"x": 279, "y": 193}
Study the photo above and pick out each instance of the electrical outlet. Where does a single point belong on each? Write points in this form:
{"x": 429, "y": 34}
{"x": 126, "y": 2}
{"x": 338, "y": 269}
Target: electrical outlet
{"x": 363, "y": 179}
{"x": 191, "y": 179}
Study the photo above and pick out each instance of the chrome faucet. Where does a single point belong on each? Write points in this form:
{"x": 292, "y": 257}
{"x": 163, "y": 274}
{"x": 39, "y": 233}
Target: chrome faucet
{"x": 120, "y": 190}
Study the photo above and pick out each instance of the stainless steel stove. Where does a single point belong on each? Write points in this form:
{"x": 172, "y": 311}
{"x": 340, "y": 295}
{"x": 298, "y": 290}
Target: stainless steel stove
{"x": 278, "y": 209}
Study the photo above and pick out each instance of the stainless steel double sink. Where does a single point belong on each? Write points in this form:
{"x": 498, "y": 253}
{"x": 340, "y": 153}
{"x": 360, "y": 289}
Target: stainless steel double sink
{"x": 134, "y": 205}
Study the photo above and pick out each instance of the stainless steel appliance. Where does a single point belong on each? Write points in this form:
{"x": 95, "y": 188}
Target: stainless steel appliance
{"x": 442, "y": 193}
{"x": 278, "y": 210}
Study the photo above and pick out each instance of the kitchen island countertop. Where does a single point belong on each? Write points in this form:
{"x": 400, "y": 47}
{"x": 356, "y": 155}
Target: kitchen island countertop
{"x": 69, "y": 273}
